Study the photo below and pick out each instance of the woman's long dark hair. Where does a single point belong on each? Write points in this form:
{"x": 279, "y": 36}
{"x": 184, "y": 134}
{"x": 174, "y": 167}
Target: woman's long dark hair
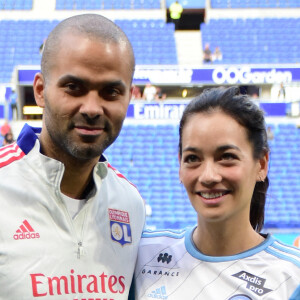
{"x": 250, "y": 116}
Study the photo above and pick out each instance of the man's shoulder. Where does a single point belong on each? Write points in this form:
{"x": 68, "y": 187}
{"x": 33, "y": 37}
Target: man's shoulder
{"x": 9, "y": 154}
{"x": 19, "y": 149}
{"x": 118, "y": 175}
{"x": 116, "y": 182}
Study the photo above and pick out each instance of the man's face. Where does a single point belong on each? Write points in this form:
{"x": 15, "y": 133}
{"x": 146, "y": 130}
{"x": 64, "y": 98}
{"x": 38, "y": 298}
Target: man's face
{"x": 85, "y": 97}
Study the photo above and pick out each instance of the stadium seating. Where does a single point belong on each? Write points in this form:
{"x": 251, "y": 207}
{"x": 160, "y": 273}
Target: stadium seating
{"x": 153, "y": 42}
{"x": 15, "y": 4}
{"x": 254, "y": 41}
{"x": 106, "y": 4}
{"x": 150, "y": 162}
{"x": 255, "y": 3}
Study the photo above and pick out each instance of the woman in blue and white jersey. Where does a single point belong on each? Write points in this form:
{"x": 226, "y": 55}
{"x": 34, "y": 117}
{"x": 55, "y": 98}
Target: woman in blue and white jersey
{"x": 223, "y": 156}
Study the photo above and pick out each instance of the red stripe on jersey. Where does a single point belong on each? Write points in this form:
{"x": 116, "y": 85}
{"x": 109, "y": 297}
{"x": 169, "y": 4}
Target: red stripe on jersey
{"x": 8, "y": 149}
{"x": 119, "y": 174}
{"x": 9, "y": 154}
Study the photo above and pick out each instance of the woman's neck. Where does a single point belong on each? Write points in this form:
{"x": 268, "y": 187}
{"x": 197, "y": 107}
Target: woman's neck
{"x": 215, "y": 240}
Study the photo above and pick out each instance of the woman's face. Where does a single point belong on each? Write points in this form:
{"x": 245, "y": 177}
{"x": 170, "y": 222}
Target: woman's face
{"x": 217, "y": 167}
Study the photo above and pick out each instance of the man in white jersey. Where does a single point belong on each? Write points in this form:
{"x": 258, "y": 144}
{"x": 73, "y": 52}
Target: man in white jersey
{"x": 70, "y": 223}
{"x": 223, "y": 157}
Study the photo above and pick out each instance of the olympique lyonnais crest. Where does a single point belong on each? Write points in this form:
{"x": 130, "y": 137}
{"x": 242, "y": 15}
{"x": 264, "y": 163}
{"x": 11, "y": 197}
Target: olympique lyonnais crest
{"x": 120, "y": 226}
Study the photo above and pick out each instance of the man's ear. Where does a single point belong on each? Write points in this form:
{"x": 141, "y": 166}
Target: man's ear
{"x": 38, "y": 89}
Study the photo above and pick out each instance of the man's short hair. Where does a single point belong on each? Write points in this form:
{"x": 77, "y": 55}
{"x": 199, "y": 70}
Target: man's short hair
{"x": 93, "y": 26}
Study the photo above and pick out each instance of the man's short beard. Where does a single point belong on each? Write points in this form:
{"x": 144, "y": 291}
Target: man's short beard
{"x": 88, "y": 151}
{"x": 88, "y": 148}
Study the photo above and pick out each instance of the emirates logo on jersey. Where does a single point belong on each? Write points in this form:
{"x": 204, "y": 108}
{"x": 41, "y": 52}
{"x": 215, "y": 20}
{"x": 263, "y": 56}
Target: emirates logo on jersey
{"x": 74, "y": 283}
{"x": 254, "y": 283}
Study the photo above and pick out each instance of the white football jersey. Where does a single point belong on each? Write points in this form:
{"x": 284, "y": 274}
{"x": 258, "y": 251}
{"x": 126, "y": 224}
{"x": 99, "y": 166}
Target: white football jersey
{"x": 169, "y": 266}
{"x": 45, "y": 253}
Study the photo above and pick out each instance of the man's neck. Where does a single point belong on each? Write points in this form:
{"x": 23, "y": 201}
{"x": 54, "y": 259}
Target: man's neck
{"x": 78, "y": 180}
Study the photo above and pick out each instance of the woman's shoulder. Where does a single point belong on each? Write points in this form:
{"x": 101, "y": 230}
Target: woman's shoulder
{"x": 284, "y": 252}
{"x": 159, "y": 237}
{"x": 172, "y": 233}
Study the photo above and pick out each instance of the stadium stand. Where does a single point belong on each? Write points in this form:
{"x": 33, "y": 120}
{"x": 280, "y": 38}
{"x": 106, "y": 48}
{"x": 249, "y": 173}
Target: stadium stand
{"x": 20, "y": 42}
{"x": 242, "y": 41}
{"x": 15, "y": 4}
{"x": 254, "y": 41}
{"x": 255, "y": 3}
{"x": 152, "y": 40}
{"x": 106, "y": 4}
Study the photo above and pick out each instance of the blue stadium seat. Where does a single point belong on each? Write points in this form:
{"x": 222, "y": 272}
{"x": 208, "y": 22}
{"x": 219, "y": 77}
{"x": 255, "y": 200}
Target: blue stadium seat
{"x": 105, "y": 4}
{"x": 15, "y": 5}
{"x": 254, "y": 3}
{"x": 25, "y": 37}
{"x": 270, "y": 40}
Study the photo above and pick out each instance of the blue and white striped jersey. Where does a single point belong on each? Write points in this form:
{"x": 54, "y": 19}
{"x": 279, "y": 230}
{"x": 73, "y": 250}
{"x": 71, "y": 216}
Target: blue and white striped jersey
{"x": 169, "y": 266}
